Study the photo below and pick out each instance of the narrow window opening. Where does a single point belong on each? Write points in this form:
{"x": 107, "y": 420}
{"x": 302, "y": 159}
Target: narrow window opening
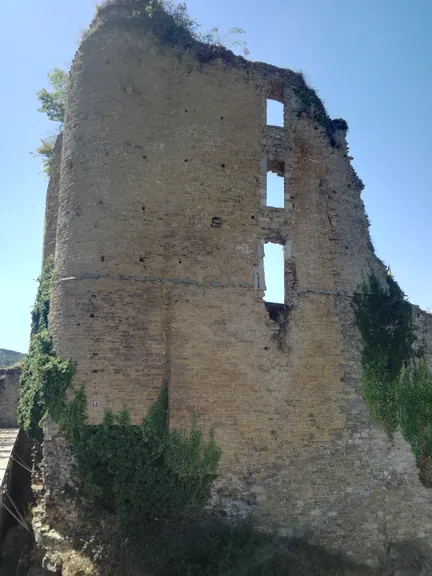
{"x": 275, "y": 193}
{"x": 275, "y": 113}
{"x": 274, "y": 267}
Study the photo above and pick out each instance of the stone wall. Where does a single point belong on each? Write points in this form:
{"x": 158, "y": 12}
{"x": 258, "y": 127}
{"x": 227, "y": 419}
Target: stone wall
{"x": 9, "y": 395}
{"x": 51, "y": 206}
{"x": 160, "y": 231}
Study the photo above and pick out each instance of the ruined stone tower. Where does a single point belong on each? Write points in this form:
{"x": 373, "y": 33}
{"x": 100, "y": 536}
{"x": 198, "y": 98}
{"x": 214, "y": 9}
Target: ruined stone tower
{"x": 157, "y": 213}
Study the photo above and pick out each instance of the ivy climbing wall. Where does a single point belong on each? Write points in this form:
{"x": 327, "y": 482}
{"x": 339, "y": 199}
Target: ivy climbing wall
{"x": 160, "y": 227}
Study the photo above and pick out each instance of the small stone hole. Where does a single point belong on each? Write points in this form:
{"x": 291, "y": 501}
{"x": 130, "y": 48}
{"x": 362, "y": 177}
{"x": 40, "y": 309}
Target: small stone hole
{"x": 222, "y": 117}
{"x": 253, "y": 217}
{"x": 78, "y": 323}
{"x": 180, "y": 261}
{"x": 142, "y": 259}
{"x": 144, "y": 157}
{"x": 102, "y": 258}
{"x": 143, "y": 208}
{"x": 223, "y": 165}
{"x": 186, "y": 160}
{"x": 91, "y": 315}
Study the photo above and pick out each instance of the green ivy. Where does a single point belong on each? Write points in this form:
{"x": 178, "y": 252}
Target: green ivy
{"x": 147, "y": 473}
{"x": 211, "y": 546}
{"x": 415, "y": 416}
{"x": 32, "y": 404}
{"x": 143, "y": 473}
{"x": 39, "y": 315}
{"x": 44, "y": 381}
{"x": 45, "y": 378}
{"x": 312, "y": 105}
{"x": 396, "y": 380}
{"x": 385, "y": 319}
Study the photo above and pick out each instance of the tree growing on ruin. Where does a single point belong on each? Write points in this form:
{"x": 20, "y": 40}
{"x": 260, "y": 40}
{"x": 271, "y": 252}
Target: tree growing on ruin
{"x": 53, "y": 103}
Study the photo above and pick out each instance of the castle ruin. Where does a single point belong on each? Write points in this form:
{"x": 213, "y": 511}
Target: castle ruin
{"x": 157, "y": 214}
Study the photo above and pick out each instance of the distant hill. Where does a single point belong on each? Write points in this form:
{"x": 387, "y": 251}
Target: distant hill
{"x": 9, "y": 357}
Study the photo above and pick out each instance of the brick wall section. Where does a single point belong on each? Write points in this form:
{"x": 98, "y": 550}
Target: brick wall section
{"x": 9, "y": 395}
{"x": 51, "y": 207}
{"x": 147, "y": 292}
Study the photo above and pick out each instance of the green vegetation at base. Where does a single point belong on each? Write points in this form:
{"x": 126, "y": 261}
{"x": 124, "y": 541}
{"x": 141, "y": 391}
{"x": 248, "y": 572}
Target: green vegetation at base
{"x": 397, "y": 385}
{"x": 145, "y": 474}
{"x": 142, "y": 474}
{"x": 211, "y": 546}
{"x": 214, "y": 548}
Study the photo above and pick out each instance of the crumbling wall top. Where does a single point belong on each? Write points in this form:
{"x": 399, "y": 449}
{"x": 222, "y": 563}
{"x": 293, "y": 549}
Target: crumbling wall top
{"x": 135, "y": 15}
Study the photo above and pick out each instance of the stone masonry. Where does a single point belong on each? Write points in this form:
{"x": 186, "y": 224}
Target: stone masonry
{"x": 9, "y": 394}
{"x": 159, "y": 205}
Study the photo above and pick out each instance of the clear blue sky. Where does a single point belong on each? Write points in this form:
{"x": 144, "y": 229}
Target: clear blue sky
{"x": 370, "y": 61}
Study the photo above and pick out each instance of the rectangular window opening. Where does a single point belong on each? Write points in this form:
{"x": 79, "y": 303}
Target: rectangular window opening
{"x": 275, "y": 189}
{"x": 275, "y": 113}
{"x": 274, "y": 273}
